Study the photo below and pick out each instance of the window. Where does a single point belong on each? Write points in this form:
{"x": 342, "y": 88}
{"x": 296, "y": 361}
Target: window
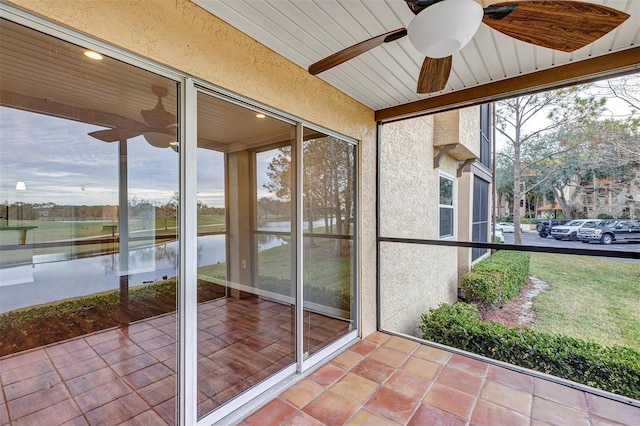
{"x": 480, "y": 225}
{"x": 486, "y": 134}
{"x": 445, "y": 206}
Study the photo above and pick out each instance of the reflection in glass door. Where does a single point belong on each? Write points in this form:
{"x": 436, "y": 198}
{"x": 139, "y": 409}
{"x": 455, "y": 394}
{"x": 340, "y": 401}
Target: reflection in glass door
{"x": 88, "y": 236}
{"x": 245, "y": 332}
{"x": 328, "y": 207}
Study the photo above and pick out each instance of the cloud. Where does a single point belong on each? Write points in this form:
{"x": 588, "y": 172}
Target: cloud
{"x": 59, "y": 162}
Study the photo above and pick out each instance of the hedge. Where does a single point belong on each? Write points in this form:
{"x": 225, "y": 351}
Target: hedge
{"x": 497, "y": 278}
{"x": 611, "y": 368}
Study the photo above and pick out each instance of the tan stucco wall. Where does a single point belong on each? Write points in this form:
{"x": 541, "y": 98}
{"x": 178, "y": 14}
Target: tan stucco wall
{"x": 413, "y": 278}
{"x": 469, "y": 128}
{"x": 460, "y": 126}
{"x": 183, "y": 36}
{"x": 408, "y": 181}
{"x": 465, "y": 220}
{"x": 469, "y": 134}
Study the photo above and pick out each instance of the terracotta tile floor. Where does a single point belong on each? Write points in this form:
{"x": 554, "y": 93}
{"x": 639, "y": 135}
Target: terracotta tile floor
{"x": 127, "y": 375}
{"x": 385, "y": 380}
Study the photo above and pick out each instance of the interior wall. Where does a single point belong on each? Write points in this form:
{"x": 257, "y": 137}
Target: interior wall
{"x": 183, "y": 36}
{"x": 239, "y": 205}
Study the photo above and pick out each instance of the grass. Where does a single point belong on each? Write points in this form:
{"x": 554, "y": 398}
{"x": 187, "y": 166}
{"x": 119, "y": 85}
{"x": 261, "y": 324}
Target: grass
{"x": 589, "y": 298}
{"x": 326, "y": 277}
{"x": 320, "y": 268}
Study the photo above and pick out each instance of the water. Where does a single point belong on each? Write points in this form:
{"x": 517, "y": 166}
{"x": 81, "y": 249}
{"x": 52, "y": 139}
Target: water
{"x": 55, "y": 280}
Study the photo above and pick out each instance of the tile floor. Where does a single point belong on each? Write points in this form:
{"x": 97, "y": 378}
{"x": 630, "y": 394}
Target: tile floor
{"x": 127, "y": 375}
{"x": 385, "y": 380}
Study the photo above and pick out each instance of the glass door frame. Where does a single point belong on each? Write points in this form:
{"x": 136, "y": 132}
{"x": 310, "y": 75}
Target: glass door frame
{"x": 186, "y": 352}
{"x": 270, "y": 387}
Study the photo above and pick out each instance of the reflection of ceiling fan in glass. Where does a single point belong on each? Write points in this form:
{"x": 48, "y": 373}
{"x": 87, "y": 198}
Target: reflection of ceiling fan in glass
{"x": 443, "y": 27}
{"x": 159, "y": 127}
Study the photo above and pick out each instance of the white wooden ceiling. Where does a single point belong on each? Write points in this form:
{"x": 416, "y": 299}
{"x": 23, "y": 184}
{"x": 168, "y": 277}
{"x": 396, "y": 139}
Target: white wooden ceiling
{"x": 305, "y": 31}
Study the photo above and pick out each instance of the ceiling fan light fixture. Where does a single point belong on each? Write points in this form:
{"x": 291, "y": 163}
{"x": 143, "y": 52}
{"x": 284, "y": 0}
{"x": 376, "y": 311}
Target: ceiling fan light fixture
{"x": 444, "y": 28}
{"x": 159, "y": 140}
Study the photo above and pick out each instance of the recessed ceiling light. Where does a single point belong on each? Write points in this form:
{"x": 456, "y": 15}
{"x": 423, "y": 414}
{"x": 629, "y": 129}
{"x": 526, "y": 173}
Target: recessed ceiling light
{"x": 260, "y": 115}
{"x": 93, "y": 55}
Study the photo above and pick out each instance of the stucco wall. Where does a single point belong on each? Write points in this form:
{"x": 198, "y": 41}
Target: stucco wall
{"x": 465, "y": 220}
{"x": 469, "y": 134}
{"x": 461, "y": 127}
{"x": 469, "y": 128}
{"x": 183, "y": 36}
{"x": 413, "y": 278}
{"x": 408, "y": 181}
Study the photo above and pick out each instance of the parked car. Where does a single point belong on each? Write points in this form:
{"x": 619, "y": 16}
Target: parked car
{"x": 544, "y": 227}
{"x": 507, "y": 227}
{"x": 609, "y": 231}
{"x": 569, "y": 231}
{"x": 499, "y": 233}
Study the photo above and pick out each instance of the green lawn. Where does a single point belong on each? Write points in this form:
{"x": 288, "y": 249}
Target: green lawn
{"x": 327, "y": 279}
{"x": 589, "y": 298}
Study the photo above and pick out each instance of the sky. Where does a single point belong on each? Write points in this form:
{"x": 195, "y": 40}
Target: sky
{"x": 60, "y": 163}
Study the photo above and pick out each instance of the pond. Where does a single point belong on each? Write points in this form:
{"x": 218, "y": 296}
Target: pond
{"x": 56, "y": 277}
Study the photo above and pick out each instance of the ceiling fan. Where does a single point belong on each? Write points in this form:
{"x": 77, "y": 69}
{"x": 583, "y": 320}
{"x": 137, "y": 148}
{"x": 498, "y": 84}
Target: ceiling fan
{"x": 159, "y": 127}
{"x": 443, "y": 27}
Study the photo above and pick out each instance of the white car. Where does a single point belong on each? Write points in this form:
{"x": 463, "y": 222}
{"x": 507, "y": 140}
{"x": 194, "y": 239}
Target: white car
{"x": 508, "y": 227}
{"x": 499, "y": 233}
{"x": 569, "y": 231}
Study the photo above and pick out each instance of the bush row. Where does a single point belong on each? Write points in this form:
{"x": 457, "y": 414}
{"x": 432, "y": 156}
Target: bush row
{"x": 496, "y": 279}
{"x": 615, "y": 369}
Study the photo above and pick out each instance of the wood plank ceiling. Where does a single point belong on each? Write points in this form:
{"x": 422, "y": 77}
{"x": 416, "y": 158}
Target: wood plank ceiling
{"x": 305, "y": 31}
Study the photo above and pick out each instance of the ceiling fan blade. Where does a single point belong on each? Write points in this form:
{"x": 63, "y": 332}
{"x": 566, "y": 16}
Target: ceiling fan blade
{"x": 355, "y": 50}
{"x": 434, "y": 74}
{"x": 559, "y": 25}
{"x": 114, "y": 135}
{"x": 498, "y": 11}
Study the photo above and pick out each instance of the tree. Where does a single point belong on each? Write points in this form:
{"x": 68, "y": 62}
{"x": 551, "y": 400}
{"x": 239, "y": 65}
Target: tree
{"x": 607, "y": 170}
{"x": 327, "y": 185}
{"x": 523, "y": 123}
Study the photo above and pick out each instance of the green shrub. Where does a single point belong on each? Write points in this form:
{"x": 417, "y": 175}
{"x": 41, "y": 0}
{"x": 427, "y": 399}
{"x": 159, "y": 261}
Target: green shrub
{"x": 611, "y": 368}
{"x": 479, "y": 286}
{"x": 496, "y": 279}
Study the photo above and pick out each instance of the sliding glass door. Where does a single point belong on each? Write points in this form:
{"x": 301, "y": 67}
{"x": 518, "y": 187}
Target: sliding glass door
{"x": 245, "y": 309}
{"x": 328, "y": 205}
{"x": 153, "y": 263}
{"x": 254, "y": 246}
